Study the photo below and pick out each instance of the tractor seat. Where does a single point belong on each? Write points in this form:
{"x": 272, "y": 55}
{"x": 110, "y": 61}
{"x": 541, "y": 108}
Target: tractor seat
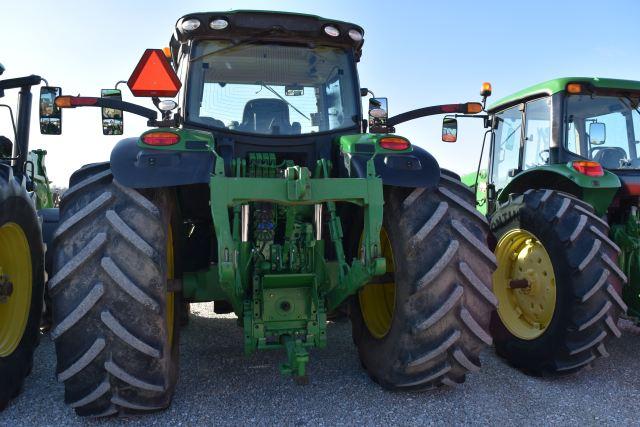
{"x": 267, "y": 115}
{"x": 210, "y": 121}
{"x": 610, "y": 157}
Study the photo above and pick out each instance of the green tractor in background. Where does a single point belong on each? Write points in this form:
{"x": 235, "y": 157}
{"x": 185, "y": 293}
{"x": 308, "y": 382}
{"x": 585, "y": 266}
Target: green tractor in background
{"x": 562, "y": 191}
{"x": 26, "y": 212}
{"x": 261, "y": 190}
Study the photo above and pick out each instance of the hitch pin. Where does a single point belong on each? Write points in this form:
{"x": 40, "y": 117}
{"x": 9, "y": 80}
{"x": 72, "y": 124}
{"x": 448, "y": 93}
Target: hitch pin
{"x": 318, "y": 220}
{"x": 245, "y": 222}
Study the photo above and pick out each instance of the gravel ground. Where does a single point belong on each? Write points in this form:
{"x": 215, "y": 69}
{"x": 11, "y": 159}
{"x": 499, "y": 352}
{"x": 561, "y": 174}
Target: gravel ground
{"x": 219, "y": 385}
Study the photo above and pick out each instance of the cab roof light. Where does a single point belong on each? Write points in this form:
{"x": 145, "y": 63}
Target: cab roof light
{"x": 331, "y": 31}
{"x": 190, "y": 24}
{"x": 355, "y": 35}
{"x": 161, "y": 139}
{"x": 588, "y": 168}
{"x": 218, "y": 24}
{"x": 486, "y": 89}
{"x": 394, "y": 143}
{"x": 574, "y": 88}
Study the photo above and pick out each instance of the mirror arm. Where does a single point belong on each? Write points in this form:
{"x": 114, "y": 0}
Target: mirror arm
{"x": 116, "y": 104}
{"x": 19, "y": 82}
{"x": 427, "y": 111}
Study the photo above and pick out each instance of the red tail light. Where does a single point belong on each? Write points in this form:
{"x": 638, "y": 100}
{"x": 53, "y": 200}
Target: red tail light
{"x": 160, "y": 138}
{"x": 588, "y": 168}
{"x": 394, "y": 143}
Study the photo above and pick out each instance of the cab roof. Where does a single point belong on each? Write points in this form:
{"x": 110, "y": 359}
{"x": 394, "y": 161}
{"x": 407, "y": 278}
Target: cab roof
{"x": 268, "y": 26}
{"x": 558, "y": 85}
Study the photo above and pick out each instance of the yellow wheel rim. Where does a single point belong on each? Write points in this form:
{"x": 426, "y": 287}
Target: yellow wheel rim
{"x": 524, "y": 284}
{"x": 378, "y": 301}
{"x": 170, "y": 295}
{"x": 15, "y": 267}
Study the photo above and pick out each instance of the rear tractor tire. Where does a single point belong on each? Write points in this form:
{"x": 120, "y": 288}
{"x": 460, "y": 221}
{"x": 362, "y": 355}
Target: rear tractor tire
{"x": 21, "y": 284}
{"x": 115, "y": 322}
{"x": 558, "y": 283}
{"x": 424, "y": 323}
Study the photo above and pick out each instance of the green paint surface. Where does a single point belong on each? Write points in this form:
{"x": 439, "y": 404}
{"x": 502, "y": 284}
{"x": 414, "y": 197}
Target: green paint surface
{"x": 557, "y": 85}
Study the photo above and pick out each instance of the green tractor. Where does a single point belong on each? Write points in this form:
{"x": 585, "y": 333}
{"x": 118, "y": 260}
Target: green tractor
{"x": 260, "y": 189}
{"x": 26, "y": 212}
{"x": 561, "y": 192}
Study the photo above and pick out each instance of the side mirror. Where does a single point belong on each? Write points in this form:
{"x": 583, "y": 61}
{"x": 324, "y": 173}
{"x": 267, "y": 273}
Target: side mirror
{"x": 378, "y": 111}
{"x": 112, "y": 119}
{"x": 50, "y": 113}
{"x": 597, "y": 133}
{"x": 449, "y": 129}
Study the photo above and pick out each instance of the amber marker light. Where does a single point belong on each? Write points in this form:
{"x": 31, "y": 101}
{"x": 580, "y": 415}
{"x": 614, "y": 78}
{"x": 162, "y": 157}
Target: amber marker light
{"x": 574, "y": 88}
{"x": 63, "y": 102}
{"x": 473, "y": 107}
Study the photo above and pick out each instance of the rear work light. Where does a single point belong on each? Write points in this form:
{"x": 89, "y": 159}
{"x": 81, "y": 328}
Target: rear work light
{"x": 160, "y": 138}
{"x": 588, "y": 168}
{"x": 394, "y": 143}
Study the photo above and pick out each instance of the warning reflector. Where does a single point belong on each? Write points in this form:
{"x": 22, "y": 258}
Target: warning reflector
{"x": 153, "y": 76}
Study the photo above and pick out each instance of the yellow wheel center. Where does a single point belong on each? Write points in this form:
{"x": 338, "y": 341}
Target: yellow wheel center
{"x": 525, "y": 284}
{"x": 378, "y": 301}
{"x": 15, "y": 267}
{"x": 170, "y": 295}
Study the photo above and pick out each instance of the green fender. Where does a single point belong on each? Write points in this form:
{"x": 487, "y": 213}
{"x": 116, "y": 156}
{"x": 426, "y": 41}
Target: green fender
{"x": 597, "y": 191}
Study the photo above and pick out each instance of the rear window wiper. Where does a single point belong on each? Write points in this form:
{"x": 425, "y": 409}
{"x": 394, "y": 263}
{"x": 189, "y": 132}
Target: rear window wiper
{"x": 248, "y": 40}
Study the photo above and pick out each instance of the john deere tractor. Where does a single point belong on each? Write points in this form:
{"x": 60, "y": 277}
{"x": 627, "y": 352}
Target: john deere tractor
{"x": 26, "y": 209}
{"x": 562, "y": 192}
{"x": 261, "y": 189}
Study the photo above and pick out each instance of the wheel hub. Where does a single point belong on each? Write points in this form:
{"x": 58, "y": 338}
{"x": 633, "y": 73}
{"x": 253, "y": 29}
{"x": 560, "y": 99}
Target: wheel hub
{"x": 378, "y": 298}
{"x": 15, "y": 286}
{"x": 6, "y": 287}
{"x": 524, "y": 284}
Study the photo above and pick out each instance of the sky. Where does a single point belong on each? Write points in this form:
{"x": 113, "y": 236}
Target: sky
{"x": 416, "y": 53}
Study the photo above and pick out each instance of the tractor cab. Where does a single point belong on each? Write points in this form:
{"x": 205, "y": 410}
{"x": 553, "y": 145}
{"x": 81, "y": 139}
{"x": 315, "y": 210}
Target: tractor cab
{"x": 575, "y": 128}
{"x": 269, "y": 82}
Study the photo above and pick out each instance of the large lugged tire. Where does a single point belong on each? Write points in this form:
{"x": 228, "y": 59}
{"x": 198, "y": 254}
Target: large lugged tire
{"x": 558, "y": 319}
{"x": 22, "y": 264}
{"x": 427, "y": 320}
{"x": 114, "y": 321}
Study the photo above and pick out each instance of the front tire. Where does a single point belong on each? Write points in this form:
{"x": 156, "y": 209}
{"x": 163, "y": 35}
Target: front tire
{"x": 427, "y": 325}
{"x": 22, "y": 264}
{"x": 115, "y": 325}
{"x": 558, "y": 320}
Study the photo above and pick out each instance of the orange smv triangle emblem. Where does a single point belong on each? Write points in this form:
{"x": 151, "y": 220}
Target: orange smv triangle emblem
{"x": 153, "y": 76}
